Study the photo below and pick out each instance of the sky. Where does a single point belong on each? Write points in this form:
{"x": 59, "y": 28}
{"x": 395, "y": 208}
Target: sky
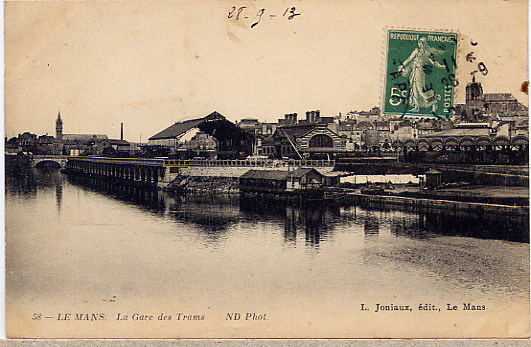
{"x": 149, "y": 64}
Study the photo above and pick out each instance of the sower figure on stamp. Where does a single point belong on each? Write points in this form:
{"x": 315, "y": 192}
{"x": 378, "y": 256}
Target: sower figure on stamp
{"x": 416, "y": 66}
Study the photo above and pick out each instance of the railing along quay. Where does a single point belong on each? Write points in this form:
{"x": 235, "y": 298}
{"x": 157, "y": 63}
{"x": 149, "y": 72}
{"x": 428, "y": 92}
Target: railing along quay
{"x": 134, "y": 161}
{"x": 209, "y": 163}
{"x": 250, "y": 163}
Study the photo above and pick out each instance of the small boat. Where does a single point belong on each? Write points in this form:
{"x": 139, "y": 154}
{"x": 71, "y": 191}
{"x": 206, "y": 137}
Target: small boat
{"x": 373, "y": 190}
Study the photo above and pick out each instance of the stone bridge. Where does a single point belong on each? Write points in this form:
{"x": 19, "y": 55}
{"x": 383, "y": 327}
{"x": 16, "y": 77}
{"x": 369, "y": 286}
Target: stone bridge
{"x": 146, "y": 172}
{"x": 39, "y": 161}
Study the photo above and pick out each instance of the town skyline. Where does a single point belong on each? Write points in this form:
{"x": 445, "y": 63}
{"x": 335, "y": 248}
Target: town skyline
{"x": 277, "y": 121}
{"x": 99, "y": 74}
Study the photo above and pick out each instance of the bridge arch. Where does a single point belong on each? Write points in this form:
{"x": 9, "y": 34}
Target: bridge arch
{"x": 437, "y": 144}
{"x": 520, "y": 140}
{"x": 467, "y": 143}
{"x": 410, "y": 145}
{"x": 423, "y": 145}
{"x": 501, "y": 142}
{"x": 451, "y": 144}
{"x": 484, "y": 143}
{"x": 43, "y": 164}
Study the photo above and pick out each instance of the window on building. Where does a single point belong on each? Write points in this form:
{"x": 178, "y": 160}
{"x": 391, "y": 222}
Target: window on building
{"x": 321, "y": 140}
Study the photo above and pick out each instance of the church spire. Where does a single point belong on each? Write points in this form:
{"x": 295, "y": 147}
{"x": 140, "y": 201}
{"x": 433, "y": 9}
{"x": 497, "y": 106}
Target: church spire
{"x": 59, "y": 127}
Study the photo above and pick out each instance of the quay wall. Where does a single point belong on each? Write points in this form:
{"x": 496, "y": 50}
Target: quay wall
{"x": 205, "y": 184}
{"x": 419, "y": 203}
{"x": 481, "y": 177}
{"x": 198, "y": 171}
{"x": 494, "y": 175}
{"x": 217, "y": 179}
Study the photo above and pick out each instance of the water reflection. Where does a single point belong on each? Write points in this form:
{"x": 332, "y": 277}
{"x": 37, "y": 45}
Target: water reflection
{"x": 510, "y": 228}
{"x": 427, "y": 224}
{"x": 59, "y": 193}
{"x": 213, "y": 215}
{"x": 371, "y": 226}
{"x": 26, "y": 183}
{"x": 148, "y": 199}
{"x": 313, "y": 221}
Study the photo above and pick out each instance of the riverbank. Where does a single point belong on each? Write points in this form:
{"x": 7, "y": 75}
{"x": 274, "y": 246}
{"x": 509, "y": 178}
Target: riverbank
{"x": 497, "y": 195}
{"x": 205, "y": 184}
{"x": 480, "y": 199}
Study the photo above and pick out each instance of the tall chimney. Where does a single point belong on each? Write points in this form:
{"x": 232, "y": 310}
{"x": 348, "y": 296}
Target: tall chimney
{"x": 291, "y": 118}
{"x": 121, "y": 131}
{"x": 287, "y": 118}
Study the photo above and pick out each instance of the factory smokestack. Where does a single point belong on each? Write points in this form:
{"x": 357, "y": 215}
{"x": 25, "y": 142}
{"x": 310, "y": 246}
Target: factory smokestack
{"x": 121, "y": 131}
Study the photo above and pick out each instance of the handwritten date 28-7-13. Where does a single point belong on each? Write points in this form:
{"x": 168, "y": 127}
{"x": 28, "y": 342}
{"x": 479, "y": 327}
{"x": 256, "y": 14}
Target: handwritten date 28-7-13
{"x": 242, "y": 12}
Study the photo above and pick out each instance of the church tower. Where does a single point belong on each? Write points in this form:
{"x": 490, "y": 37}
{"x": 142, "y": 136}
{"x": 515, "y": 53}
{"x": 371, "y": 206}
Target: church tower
{"x": 474, "y": 100}
{"x": 474, "y": 90}
{"x": 59, "y": 127}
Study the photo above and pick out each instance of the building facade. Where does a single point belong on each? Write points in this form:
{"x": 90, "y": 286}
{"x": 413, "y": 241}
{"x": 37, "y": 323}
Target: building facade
{"x": 230, "y": 141}
{"x": 480, "y": 106}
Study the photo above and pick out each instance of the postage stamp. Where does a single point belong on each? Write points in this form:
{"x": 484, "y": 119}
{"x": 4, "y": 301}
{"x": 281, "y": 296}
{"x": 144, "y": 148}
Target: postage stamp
{"x": 420, "y": 73}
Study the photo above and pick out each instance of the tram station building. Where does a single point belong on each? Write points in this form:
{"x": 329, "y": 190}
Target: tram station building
{"x": 212, "y": 136}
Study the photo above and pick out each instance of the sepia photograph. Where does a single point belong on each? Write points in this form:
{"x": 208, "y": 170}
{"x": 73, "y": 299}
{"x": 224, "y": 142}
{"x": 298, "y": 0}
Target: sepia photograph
{"x": 267, "y": 169}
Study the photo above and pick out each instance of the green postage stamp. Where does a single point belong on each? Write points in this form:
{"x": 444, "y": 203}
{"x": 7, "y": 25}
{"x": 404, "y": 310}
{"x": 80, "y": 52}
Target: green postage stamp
{"x": 420, "y": 73}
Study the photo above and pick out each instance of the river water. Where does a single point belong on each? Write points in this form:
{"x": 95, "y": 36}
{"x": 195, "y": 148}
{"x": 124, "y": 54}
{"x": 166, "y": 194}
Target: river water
{"x": 77, "y": 246}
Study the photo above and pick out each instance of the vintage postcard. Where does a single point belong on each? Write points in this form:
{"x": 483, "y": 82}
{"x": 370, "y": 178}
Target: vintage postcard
{"x": 267, "y": 169}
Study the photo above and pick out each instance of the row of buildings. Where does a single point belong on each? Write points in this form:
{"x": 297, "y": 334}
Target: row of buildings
{"x": 70, "y": 144}
{"x": 482, "y": 118}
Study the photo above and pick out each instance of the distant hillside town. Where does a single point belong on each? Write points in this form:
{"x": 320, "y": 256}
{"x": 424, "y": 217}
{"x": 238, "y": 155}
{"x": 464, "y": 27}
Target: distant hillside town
{"x": 484, "y": 122}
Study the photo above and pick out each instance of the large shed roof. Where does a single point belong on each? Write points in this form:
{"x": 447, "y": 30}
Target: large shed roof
{"x": 181, "y": 128}
{"x": 303, "y": 171}
{"x": 295, "y": 130}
